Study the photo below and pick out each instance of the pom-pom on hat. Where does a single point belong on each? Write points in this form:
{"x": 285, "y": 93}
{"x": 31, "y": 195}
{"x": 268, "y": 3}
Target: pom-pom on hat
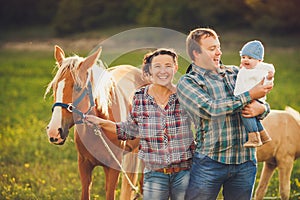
{"x": 254, "y": 49}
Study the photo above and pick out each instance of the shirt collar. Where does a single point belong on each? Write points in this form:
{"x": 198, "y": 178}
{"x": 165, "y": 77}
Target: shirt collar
{"x": 199, "y": 70}
{"x": 222, "y": 70}
{"x": 203, "y": 72}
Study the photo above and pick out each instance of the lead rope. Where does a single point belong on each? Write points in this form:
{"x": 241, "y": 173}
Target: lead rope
{"x": 98, "y": 132}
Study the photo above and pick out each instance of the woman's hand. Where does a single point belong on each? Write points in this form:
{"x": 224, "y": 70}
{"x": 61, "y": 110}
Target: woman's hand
{"x": 106, "y": 125}
{"x": 94, "y": 119}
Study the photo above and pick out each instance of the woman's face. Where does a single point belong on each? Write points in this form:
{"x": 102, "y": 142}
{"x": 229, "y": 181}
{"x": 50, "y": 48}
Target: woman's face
{"x": 163, "y": 69}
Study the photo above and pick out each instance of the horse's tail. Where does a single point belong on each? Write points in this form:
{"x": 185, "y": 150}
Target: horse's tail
{"x": 293, "y": 112}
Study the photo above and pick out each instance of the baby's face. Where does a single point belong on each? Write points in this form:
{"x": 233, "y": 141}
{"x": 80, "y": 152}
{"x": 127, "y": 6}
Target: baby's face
{"x": 249, "y": 62}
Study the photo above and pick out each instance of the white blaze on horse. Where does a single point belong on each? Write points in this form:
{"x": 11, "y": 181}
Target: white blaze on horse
{"x": 83, "y": 86}
{"x": 284, "y": 129}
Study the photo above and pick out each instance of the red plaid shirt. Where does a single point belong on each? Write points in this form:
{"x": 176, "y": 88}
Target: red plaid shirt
{"x": 166, "y": 139}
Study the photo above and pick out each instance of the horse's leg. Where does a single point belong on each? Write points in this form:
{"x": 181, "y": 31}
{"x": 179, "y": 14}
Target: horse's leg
{"x": 131, "y": 165}
{"x": 285, "y": 170}
{"x": 266, "y": 174}
{"x": 85, "y": 170}
{"x": 111, "y": 178}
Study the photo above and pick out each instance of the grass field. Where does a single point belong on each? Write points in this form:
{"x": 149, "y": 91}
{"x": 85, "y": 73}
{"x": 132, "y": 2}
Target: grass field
{"x": 32, "y": 168}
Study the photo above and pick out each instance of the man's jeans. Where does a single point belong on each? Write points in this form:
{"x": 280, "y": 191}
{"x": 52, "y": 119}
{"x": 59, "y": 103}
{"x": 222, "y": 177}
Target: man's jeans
{"x": 208, "y": 176}
{"x": 160, "y": 186}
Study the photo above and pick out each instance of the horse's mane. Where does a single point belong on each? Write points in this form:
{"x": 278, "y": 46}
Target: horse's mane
{"x": 104, "y": 87}
{"x": 70, "y": 63}
{"x": 101, "y": 80}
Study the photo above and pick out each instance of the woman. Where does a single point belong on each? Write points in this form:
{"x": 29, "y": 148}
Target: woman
{"x": 166, "y": 139}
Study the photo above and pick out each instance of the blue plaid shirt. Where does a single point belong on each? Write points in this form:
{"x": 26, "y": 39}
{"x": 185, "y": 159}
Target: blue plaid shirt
{"x": 216, "y": 113}
{"x": 166, "y": 138}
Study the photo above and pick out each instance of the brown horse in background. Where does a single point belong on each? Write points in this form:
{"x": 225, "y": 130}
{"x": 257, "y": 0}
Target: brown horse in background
{"x": 284, "y": 128}
{"x": 83, "y": 86}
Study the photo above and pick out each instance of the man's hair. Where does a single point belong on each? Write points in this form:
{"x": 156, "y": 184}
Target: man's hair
{"x": 193, "y": 40}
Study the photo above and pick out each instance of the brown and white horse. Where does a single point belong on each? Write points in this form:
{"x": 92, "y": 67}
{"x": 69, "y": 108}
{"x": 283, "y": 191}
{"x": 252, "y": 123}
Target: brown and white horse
{"x": 284, "y": 128}
{"x": 81, "y": 86}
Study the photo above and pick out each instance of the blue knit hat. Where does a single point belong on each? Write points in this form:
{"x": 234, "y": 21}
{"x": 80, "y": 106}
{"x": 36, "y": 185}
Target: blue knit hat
{"x": 254, "y": 49}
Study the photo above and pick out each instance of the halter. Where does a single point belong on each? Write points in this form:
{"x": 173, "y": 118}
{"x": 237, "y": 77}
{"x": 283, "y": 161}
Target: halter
{"x": 71, "y": 107}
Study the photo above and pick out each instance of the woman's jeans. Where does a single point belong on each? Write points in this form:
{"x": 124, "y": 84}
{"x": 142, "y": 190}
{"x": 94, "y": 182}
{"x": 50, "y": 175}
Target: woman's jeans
{"x": 208, "y": 176}
{"x": 252, "y": 124}
{"x": 160, "y": 186}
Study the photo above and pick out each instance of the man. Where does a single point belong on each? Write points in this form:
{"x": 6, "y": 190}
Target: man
{"x": 206, "y": 93}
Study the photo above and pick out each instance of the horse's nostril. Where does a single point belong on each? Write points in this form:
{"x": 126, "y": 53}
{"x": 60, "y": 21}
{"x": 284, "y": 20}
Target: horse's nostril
{"x": 53, "y": 139}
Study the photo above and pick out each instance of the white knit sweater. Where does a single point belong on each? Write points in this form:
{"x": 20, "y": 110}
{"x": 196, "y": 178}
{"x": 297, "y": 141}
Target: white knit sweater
{"x": 248, "y": 78}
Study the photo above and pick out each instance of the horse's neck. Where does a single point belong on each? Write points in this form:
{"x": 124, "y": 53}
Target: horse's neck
{"x": 111, "y": 99}
{"x": 120, "y": 105}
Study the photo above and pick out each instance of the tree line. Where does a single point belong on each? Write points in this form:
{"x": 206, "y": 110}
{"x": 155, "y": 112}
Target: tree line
{"x": 69, "y": 16}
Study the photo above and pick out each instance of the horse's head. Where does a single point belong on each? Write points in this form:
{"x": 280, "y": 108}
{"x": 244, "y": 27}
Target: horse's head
{"x": 72, "y": 91}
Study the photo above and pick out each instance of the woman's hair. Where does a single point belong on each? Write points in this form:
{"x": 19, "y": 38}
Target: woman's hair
{"x": 147, "y": 61}
{"x": 194, "y": 38}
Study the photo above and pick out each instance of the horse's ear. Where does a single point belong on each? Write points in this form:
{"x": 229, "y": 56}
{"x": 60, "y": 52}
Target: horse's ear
{"x": 59, "y": 54}
{"x": 91, "y": 60}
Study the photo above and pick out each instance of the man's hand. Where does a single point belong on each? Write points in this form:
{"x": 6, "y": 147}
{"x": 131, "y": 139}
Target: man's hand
{"x": 260, "y": 90}
{"x": 253, "y": 109}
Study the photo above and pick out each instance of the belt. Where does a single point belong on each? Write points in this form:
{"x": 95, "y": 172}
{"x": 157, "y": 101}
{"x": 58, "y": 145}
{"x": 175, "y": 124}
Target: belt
{"x": 171, "y": 170}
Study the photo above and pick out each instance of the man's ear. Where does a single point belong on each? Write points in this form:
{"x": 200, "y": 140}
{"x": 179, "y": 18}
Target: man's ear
{"x": 196, "y": 53}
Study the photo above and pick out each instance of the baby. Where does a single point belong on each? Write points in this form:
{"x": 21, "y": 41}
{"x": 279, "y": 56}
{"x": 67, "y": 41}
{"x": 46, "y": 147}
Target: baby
{"x": 252, "y": 71}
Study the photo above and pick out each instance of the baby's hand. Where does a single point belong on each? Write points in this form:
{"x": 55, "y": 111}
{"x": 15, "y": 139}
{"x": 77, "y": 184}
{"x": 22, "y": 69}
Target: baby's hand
{"x": 270, "y": 75}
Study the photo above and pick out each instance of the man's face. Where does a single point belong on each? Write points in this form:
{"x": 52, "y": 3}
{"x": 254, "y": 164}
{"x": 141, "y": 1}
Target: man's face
{"x": 211, "y": 53}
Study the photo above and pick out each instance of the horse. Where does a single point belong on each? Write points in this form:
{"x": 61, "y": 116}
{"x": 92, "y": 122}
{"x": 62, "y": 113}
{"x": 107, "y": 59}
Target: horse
{"x": 84, "y": 86}
{"x": 281, "y": 152}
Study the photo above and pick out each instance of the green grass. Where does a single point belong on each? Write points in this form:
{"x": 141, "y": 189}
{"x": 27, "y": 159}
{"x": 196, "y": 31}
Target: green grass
{"x": 32, "y": 168}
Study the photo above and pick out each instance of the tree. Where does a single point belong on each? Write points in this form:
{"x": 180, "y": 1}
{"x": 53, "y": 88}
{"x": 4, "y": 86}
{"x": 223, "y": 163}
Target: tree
{"x": 15, "y": 13}
{"x": 80, "y": 15}
{"x": 278, "y": 16}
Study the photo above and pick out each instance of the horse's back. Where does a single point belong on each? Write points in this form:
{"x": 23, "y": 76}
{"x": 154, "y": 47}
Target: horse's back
{"x": 127, "y": 76}
{"x": 285, "y": 133}
{"x": 127, "y": 79}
